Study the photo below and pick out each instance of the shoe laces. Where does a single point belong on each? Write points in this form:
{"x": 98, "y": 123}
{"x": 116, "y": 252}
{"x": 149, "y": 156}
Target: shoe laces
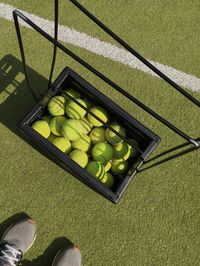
{"x": 10, "y": 255}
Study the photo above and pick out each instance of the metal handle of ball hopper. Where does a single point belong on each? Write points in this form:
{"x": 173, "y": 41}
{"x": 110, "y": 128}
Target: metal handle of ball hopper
{"x": 17, "y": 14}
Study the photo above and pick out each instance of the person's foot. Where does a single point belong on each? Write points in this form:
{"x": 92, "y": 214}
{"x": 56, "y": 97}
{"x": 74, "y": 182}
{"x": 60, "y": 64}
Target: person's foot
{"x": 16, "y": 241}
{"x": 68, "y": 257}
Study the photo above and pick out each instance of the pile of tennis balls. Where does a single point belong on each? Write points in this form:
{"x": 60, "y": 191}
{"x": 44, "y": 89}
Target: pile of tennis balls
{"x": 80, "y": 135}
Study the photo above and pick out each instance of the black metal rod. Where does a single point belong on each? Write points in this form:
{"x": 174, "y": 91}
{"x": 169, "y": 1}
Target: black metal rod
{"x": 56, "y": 38}
{"x": 101, "y": 76}
{"x": 169, "y": 158}
{"x": 170, "y": 151}
{"x": 23, "y": 57}
{"x": 135, "y": 53}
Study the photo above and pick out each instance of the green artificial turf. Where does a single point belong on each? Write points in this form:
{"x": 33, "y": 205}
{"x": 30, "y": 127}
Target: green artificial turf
{"x": 157, "y": 220}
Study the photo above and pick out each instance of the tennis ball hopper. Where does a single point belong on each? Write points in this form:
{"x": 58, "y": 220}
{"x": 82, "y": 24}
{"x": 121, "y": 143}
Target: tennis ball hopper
{"x": 68, "y": 78}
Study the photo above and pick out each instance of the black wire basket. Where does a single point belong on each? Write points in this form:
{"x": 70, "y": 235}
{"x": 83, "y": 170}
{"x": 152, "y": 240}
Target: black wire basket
{"x": 146, "y": 139}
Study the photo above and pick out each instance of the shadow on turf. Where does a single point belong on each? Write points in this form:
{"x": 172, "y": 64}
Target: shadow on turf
{"x": 179, "y": 152}
{"x": 47, "y": 257}
{"x": 17, "y": 99}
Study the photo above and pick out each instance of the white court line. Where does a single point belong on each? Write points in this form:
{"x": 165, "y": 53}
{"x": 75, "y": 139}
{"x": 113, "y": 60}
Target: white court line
{"x": 96, "y": 46}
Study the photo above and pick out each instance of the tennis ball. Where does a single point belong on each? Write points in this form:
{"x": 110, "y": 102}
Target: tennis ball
{"x": 73, "y": 110}
{"x": 51, "y": 137}
{"x": 112, "y": 137}
{"x": 96, "y": 169}
{"x": 108, "y": 166}
{"x": 119, "y": 167}
{"x": 108, "y": 180}
{"x": 99, "y": 112}
{"x": 62, "y": 144}
{"x": 56, "y": 125}
{"x": 42, "y": 127}
{"x": 85, "y": 126}
{"x": 72, "y": 93}
{"x": 102, "y": 152}
{"x": 71, "y": 129}
{"x": 121, "y": 151}
{"x": 83, "y": 143}
{"x": 133, "y": 151}
{"x": 56, "y": 106}
{"x": 46, "y": 118}
{"x": 97, "y": 135}
{"x": 80, "y": 157}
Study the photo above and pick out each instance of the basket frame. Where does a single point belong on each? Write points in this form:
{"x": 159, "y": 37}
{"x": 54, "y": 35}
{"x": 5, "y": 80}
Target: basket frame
{"x": 57, "y": 45}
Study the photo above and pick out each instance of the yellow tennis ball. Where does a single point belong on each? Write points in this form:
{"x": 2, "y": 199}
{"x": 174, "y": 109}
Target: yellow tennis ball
{"x": 121, "y": 151}
{"x": 56, "y": 124}
{"x": 72, "y": 93}
{"x": 108, "y": 180}
{"x": 108, "y": 166}
{"x": 83, "y": 143}
{"x": 97, "y": 135}
{"x": 102, "y": 152}
{"x": 73, "y": 110}
{"x": 119, "y": 167}
{"x": 71, "y": 129}
{"x": 62, "y": 144}
{"x": 133, "y": 151}
{"x": 42, "y": 127}
{"x": 112, "y": 137}
{"x": 96, "y": 169}
{"x": 85, "y": 126}
{"x": 80, "y": 157}
{"x": 100, "y": 113}
{"x": 56, "y": 106}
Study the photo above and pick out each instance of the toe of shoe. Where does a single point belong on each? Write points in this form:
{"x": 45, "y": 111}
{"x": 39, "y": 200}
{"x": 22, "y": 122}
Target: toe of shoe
{"x": 68, "y": 257}
{"x": 21, "y": 234}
